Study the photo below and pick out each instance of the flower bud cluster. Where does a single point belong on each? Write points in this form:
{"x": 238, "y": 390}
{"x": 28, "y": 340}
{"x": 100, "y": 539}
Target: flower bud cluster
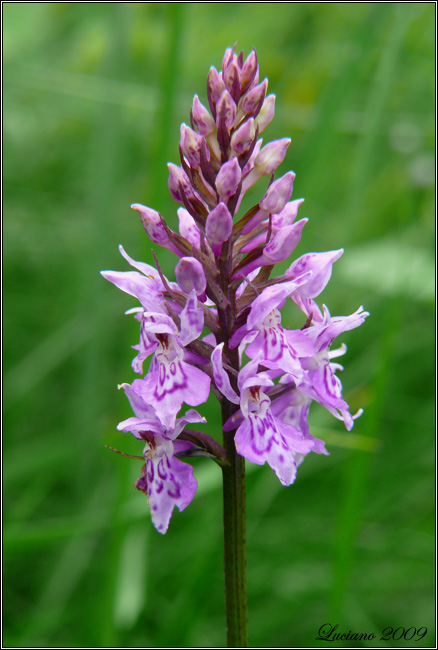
{"x": 218, "y": 327}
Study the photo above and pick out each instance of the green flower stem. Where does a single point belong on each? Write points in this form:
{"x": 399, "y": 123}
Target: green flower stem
{"x": 234, "y": 541}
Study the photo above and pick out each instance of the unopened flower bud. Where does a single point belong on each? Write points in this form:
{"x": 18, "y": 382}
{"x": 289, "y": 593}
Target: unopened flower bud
{"x": 231, "y": 77}
{"x": 265, "y": 162}
{"x": 152, "y": 223}
{"x": 275, "y": 199}
{"x": 249, "y": 71}
{"x": 218, "y": 227}
{"x": 227, "y": 59}
{"x": 228, "y": 179}
{"x": 288, "y": 215}
{"x": 179, "y": 181}
{"x": 278, "y": 194}
{"x": 202, "y": 119}
{"x": 250, "y": 164}
{"x": 226, "y": 110}
{"x": 215, "y": 88}
{"x": 266, "y": 114}
{"x": 252, "y": 102}
{"x": 271, "y": 156}
{"x": 284, "y": 218}
{"x": 190, "y": 275}
{"x": 277, "y": 249}
{"x": 191, "y": 144}
{"x": 283, "y": 243}
{"x": 241, "y": 139}
{"x": 188, "y": 227}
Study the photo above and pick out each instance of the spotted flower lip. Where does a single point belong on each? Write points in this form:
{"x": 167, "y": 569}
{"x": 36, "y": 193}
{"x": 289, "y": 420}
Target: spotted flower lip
{"x": 166, "y": 480}
{"x": 262, "y": 437}
{"x": 172, "y": 381}
{"x": 147, "y": 420}
{"x": 271, "y": 298}
{"x": 230, "y": 324}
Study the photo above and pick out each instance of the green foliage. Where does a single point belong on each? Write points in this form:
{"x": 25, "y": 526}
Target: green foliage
{"x": 93, "y": 97}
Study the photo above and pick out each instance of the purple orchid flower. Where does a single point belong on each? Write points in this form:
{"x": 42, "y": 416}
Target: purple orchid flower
{"x": 265, "y": 374}
{"x": 171, "y": 380}
{"x": 276, "y": 346}
{"x": 321, "y": 371}
{"x": 293, "y": 407}
{"x": 261, "y": 436}
{"x": 166, "y": 480}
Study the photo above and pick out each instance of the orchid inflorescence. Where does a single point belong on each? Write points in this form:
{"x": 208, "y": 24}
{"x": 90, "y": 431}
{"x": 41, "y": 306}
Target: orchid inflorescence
{"x": 269, "y": 375}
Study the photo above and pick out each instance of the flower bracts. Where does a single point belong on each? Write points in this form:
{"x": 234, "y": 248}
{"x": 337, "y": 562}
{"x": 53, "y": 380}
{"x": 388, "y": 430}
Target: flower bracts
{"x": 218, "y": 327}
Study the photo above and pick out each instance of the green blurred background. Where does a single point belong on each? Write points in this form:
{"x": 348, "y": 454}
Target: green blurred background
{"x": 94, "y": 94}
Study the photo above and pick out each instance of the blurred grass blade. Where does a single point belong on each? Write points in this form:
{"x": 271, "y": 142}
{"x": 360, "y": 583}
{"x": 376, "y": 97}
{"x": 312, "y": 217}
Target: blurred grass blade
{"x": 45, "y": 357}
{"x": 64, "y": 576}
{"x": 130, "y": 590}
{"x": 355, "y": 481}
{"x": 391, "y": 268}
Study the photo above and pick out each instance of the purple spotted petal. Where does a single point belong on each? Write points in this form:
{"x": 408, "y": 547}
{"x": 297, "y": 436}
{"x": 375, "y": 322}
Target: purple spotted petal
{"x": 159, "y": 323}
{"x": 192, "y": 320}
{"x": 137, "y": 426}
{"x": 174, "y": 485}
{"x": 276, "y": 351}
{"x": 143, "y": 288}
{"x": 190, "y": 416}
{"x": 272, "y": 297}
{"x": 146, "y": 269}
{"x": 309, "y": 307}
{"x": 221, "y": 377}
{"x": 295, "y": 439}
{"x": 323, "y": 334}
{"x": 259, "y": 441}
{"x": 293, "y": 408}
{"x": 321, "y": 266}
{"x": 146, "y": 419}
{"x": 142, "y": 409}
{"x": 328, "y": 387}
{"x": 300, "y": 343}
{"x": 145, "y": 348}
{"x": 248, "y": 375}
